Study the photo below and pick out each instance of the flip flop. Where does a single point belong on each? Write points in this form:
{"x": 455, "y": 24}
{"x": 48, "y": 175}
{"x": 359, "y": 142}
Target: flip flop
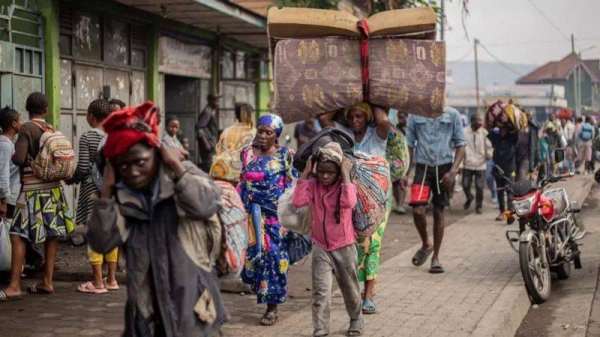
{"x": 108, "y": 286}
{"x": 421, "y": 256}
{"x": 36, "y": 289}
{"x": 6, "y": 298}
{"x": 89, "y": 288}
{"x": 356, "y": 327}
{"x": 269, "y": 318}
{"x": 436, "y": 267}
{"x": 368, "y": 308}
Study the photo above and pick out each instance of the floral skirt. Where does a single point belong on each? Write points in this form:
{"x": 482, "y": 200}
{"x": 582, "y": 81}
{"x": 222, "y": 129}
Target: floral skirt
{"x": 42, "y": 214}
{"x": 266, "y": 268}
{"x": 368, "y": 250}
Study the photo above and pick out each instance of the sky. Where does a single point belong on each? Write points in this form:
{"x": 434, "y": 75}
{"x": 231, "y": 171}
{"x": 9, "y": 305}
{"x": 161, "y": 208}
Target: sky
{"x": 514, "y": 31}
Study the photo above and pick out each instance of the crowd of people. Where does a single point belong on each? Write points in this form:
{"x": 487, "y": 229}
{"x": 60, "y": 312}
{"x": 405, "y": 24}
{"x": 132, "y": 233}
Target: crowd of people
{"x": 141, "y": 196}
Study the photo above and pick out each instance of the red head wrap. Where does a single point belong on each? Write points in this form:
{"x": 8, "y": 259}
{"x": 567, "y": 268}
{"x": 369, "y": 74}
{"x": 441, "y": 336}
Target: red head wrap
{"x": 130, "y": 126}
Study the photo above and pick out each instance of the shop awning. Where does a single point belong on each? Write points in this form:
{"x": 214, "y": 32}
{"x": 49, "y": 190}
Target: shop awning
{"x": 227, "y": 17}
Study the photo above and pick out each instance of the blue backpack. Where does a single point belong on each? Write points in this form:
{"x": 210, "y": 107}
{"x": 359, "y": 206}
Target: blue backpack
{"x": 587, "y": 132}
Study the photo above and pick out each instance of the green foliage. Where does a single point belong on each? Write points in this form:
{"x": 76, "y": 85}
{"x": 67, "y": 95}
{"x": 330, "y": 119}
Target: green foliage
{"x": 322, "y": 4}
{"x": 384, "y": 5}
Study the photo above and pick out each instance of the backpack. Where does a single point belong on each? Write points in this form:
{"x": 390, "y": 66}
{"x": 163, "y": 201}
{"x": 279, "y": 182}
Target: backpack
{"x": 327, "y": 135}
{"x": 587, "y": 132}
{"x": 56, "y": 159}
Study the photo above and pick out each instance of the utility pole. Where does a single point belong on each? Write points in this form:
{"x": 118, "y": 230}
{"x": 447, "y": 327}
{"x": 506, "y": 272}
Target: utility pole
{"x": 442, "y": 24}
{"x": 575, "y": 78}
{"x": 476, "y": 76}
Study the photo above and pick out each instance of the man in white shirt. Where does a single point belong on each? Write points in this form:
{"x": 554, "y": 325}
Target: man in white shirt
{"x": 477, "y": 151}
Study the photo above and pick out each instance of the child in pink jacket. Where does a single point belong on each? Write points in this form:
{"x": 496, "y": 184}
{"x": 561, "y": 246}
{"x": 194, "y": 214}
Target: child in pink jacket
{"x": 331, "y": 197}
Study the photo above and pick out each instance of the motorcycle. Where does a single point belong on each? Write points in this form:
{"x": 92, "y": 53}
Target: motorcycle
{"x": 549, "y": 228}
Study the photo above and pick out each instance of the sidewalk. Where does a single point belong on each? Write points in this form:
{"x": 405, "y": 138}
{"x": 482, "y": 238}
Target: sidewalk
{"x": 481, "y": 293}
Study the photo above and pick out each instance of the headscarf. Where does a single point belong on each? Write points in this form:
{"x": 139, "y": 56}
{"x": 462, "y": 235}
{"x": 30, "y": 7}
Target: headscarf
{"x": 331, "y": 152}
{"x": 273, "y": 121}
{"x": 127, "y": 127}
{"x": 364, "y": 107}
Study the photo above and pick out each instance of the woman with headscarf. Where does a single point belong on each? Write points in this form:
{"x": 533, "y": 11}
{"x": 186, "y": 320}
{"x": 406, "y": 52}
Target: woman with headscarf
{"x": 371, "y": 140}
{"x": 164, "y": 211}
{"x": 266, "y": 173}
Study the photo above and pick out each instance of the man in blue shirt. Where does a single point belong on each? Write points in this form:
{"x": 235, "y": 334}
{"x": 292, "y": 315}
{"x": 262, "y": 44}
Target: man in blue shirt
{"x": 438, "y": 146}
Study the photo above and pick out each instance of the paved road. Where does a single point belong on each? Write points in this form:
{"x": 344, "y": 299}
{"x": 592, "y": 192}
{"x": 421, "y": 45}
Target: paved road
{"x": 574, "y": 306}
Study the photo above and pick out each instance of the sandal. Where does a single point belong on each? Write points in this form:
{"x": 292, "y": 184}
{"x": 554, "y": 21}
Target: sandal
{"x": 356, "y": 327}
{"x": 269, "y": 318}
{"x": 436, "y": 267}
{"x": 421, "y": 256}
{"x": 36, "y": 289}
{"x": 110, "y": 287}
{"x": 6, "y": 298}
{"x": 89, "y": 288}
{"x": 368, "y": 307}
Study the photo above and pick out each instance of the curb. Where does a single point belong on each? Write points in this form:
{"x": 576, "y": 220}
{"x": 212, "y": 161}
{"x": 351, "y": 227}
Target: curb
{"x": 508, "y": 311}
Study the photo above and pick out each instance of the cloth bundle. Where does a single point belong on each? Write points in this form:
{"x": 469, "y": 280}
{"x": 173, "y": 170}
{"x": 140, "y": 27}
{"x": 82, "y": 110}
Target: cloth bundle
{"x": 397, "y": 154}
{"x": 227, "y": 164}
{"x": 235, "y": 231}
{"x": 507, "y": 117}
{"x": 371, "y": 175}
{"x": 317, "y": 75}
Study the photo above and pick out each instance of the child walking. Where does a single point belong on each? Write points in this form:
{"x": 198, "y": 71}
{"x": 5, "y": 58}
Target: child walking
{"x": 98, "y": 110}
{"x": 331, "y": 197}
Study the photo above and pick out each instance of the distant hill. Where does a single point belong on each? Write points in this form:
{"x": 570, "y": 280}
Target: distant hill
{"x": 490, "y": 73}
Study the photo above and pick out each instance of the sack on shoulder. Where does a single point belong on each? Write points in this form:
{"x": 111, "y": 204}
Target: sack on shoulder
{"x": 56, "y": 159}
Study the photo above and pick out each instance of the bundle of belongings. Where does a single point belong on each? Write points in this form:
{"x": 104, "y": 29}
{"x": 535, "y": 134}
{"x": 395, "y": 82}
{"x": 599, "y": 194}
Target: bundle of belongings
{"x": 234, "y": 222}
{"x": 326, "y": 60}
{"x": 507, "y": 117}
{"x": 370, "y": 174}
{"x": 564, "y": 114}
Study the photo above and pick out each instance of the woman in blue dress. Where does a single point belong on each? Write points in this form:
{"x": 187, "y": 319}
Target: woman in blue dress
{"x": 266, "y": 172}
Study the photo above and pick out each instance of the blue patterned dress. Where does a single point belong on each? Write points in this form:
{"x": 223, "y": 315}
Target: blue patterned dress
{"x": 263, "y": 181}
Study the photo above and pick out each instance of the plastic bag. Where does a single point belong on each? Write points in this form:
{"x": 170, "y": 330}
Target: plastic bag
{"x": 5, "y": 245}
{"x": 291, "y": 217}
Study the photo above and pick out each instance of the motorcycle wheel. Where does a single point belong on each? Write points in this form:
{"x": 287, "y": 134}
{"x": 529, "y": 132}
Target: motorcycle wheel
{"x": 537, "y": 278}
{"x": 563, "y": 271}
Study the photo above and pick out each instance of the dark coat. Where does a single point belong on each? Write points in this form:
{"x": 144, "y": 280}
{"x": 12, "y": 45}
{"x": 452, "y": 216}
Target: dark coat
{"x": 170, "y": 251}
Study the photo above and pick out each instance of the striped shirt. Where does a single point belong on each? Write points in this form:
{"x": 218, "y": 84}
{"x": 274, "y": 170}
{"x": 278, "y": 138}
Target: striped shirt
{"x": 88, "y": 150}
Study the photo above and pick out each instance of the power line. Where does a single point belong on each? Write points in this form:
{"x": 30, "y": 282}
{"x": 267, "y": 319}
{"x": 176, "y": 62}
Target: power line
{"x": 523, "y": 43}
{"x": 498, "y": 60}
{"x": 463, "y": 57}
{"x": 549, "y": 20}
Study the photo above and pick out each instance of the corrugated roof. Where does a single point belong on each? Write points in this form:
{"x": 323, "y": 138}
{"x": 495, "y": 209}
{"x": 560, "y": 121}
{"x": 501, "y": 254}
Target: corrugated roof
{"x": 561, "y": 70}
{"x": 226, "y": 17}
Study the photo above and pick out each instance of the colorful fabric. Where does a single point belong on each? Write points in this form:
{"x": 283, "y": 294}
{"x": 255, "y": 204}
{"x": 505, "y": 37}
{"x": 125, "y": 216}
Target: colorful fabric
{"x": 264, "y": 180}
{"x": 397, "y": 154}
{"x": 226, "y": 161}
{"x": 369, "y": 247}
{"x": 42, "y": 215}
{"x": 130, "y": 126}
{"x": 371, "y": 175}
{"x": 273, "y": 121}
{"x": 506, "y": 117}
{"x": 96, "y": 258}
{"x": 331, "y": 152}
{"x": 235, "y": 231}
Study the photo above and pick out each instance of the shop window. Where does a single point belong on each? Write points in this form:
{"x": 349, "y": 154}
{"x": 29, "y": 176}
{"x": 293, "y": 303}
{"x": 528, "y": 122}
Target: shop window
{"x": 87, "y": 36}
{"x": 138, "y": 58}
{"x": 264, "y": 70}
{"x": 240, "y": 65}
{"x": 117, "y": 42}
{"x": 227, "y": 65}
